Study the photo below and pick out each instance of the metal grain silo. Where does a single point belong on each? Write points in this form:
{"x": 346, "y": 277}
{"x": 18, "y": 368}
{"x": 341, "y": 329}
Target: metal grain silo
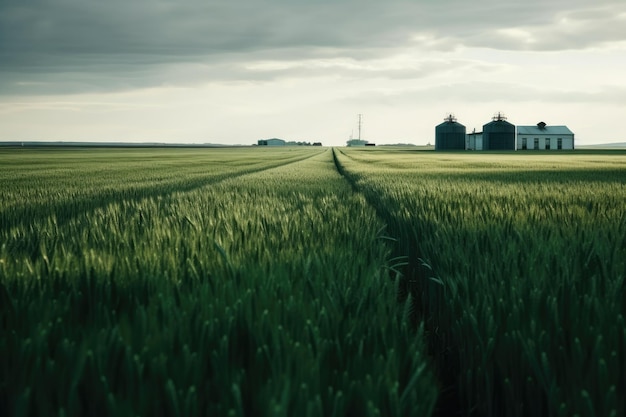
{"x": 450, "y": 135}
{"x": 499, "y": 134}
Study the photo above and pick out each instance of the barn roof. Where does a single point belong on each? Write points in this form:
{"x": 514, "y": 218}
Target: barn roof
{"x": 546, "y": 130}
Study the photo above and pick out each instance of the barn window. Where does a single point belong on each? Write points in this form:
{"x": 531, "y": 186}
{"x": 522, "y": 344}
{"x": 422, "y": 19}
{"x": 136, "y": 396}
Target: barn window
{"x": 536, "y": 143}
{"x": 524, "y": 145}
{"x": 559, "y": 143}
{"x": 548, "y": 143}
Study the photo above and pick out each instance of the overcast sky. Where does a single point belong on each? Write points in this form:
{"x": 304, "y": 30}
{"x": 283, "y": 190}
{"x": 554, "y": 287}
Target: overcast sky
{"x": 238, "y": 71}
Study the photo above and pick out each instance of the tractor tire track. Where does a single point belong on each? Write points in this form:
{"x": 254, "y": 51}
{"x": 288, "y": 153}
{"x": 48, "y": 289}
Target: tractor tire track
{"x": 415, "y": 272}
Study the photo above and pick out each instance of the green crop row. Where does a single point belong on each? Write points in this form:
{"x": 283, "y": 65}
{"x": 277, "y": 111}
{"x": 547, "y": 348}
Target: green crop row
{"x": 262, "y": 289}
{"x": 63, "y": 183}
{"x": 517, "y": 266}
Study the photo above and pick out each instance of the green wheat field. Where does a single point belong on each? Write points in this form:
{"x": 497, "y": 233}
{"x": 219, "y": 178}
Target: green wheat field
{"x": 312, "y": 282}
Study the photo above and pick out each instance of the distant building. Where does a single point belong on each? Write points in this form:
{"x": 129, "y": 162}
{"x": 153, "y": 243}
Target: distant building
{"x": 317, "y": 143}
{"x": 450, "y": 135}
{"x": 544, "y": 137}
{"x": 357, "y": 142}
{"x": 474, "y": 141}
{"x": 499, "y": 134}
{"x": 271, "y": 142}
{"x": 502, "y": 135}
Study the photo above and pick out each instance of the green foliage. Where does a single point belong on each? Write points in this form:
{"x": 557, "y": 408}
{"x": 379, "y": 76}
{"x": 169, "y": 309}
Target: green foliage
{"x": 198, "y": 282}
{"x": 517, "y": 263}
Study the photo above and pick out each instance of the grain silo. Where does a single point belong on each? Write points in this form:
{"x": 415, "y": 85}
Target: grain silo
{"x": 450, "y": 135}
{"x": 499, "y": 134}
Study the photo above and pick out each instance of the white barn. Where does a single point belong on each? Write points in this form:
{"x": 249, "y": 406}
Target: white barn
{"x": 544, "y": 137}
{"x": 474, "y": 141}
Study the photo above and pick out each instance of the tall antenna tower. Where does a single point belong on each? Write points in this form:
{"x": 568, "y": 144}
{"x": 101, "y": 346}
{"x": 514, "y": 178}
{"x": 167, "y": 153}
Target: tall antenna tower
{"x": 360, "y": 123}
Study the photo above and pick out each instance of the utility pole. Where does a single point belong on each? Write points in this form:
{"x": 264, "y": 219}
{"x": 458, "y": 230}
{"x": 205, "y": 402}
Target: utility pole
{"x": 360, "y": 117}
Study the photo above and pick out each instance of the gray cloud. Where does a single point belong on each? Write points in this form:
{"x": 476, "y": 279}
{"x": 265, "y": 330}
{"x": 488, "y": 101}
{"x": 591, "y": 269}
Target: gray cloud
{"x": 489, "y": 93}
{"x": 581, "y": 28}
{"x": 89, "y": 45}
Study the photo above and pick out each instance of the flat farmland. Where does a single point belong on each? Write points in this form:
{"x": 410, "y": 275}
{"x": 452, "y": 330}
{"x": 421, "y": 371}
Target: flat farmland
{"x": 516, "y": 265}
{"x": 312, "y": 281}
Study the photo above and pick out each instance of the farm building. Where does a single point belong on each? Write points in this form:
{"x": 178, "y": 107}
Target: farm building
{"x": 502, "y": 135}
{"x": 357, "y": 142}
{"x": 450, "y": 135}
{"x": 474, "y": 141}
{"x": 544, "y": 137}
{"x": 499, "y": 134}
{"x": 271, "y": 142}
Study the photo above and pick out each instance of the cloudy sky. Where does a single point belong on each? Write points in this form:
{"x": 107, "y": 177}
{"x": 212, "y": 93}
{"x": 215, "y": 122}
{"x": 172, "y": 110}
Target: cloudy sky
{"x": 238, "y": 71}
